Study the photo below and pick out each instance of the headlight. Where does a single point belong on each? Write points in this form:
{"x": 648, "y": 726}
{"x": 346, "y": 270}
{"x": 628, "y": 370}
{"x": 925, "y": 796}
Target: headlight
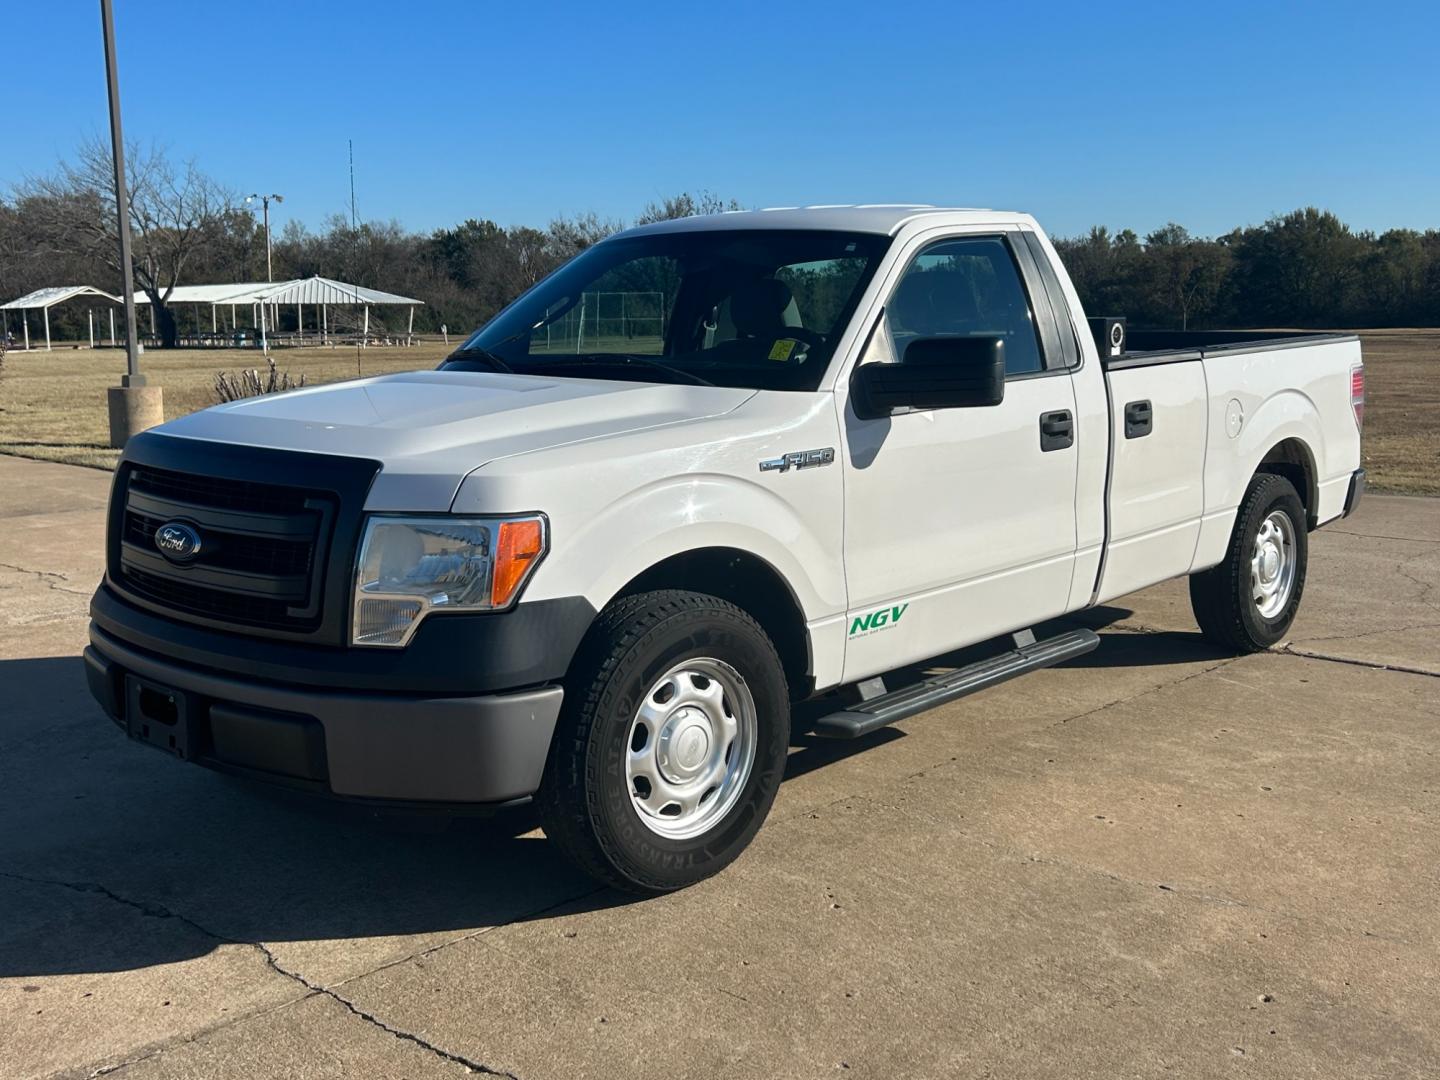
{"x": 409, "y": 567}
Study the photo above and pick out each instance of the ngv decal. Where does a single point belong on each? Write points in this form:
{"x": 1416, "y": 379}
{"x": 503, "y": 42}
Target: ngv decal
{"x": 876, "y": 620}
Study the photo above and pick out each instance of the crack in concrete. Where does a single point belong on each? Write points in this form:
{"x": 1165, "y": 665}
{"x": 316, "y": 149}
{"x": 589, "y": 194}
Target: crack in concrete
{"x": 48, "y": 577}
{"x": 371, "y": 1018}
{"x": 1373, "y": 633}
{"x": 1289, "y": 649}
{"x": 1383, "y": 536}
{"x": 1154, "y": 689}
{"x": 1305, "y": 654}
{"x": 159, "y": 911}
{"x": 1426, "y": 587}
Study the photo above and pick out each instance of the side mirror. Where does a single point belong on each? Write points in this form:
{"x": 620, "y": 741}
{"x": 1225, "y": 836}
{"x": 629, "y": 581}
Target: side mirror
{"x": 936, "y": 373}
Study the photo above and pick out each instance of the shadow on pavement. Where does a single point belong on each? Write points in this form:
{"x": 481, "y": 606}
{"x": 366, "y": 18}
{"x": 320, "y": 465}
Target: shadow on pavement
{"x": 1146, "y": 649}
{"x": 109, "y": 850}
{"x": 113, "y": 857}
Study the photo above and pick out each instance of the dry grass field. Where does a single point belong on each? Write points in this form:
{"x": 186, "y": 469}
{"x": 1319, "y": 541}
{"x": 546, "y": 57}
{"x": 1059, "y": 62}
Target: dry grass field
{"x": 52, "y": 405}
{"x": 1402, "y": 410}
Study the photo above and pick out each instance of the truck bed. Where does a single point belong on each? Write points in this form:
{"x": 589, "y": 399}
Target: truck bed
{"x": 1192, "y": 416}
{"x": 1145, "y": 347}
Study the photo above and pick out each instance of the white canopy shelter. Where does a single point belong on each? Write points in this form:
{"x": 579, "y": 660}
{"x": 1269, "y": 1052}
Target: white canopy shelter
{"x": 45, "y": 299}
{"x": 206, "y": 294}
{"x": 319, "y": 292}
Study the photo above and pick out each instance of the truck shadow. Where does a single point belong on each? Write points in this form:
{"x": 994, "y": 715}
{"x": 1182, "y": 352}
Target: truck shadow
{"x": 113, "y": 857}
{"x": 1135, "y": 648}
{"x": 1119, "y": 650}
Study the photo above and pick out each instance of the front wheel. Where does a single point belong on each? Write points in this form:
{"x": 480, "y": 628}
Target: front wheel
{"x": 1249, "y": 600}
{"x": 671, "y": 742}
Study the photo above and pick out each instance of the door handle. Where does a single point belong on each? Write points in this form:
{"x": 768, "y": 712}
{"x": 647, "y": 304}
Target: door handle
{"x": 1139, "y": 419}
{"x": 1057, "y": 430}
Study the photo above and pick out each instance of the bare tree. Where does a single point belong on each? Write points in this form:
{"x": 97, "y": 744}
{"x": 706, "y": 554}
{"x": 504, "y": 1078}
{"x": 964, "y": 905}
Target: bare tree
{"x": 685, "y": 205}
{"x": 529, "y": 251}
{"x": 571, "y": 235}
{"x": 175, "y": 214}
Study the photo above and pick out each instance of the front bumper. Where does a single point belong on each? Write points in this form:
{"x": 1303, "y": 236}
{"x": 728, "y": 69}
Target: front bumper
{"x": 395, "y": 747}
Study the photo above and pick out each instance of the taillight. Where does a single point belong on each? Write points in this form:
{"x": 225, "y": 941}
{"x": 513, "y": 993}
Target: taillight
{"x": 1357, "y": 395}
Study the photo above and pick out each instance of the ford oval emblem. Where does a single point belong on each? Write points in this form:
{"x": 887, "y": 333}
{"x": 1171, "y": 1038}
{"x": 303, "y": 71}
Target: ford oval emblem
{"x": 177, "y": 541}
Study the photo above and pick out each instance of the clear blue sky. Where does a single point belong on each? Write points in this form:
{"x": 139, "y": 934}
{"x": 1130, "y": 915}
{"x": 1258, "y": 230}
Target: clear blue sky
{"x": 1212, "y": 114}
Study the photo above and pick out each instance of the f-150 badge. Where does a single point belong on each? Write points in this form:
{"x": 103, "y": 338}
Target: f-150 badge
{"x": 800, "y": 459}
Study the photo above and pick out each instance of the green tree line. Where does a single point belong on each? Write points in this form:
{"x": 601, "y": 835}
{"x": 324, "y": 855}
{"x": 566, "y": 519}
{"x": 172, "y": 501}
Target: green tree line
{"x": 1304, "y": 269}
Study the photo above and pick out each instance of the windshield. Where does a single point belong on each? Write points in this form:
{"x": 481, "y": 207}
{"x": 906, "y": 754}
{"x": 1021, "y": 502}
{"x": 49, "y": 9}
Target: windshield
{"x": 760, "y": 309}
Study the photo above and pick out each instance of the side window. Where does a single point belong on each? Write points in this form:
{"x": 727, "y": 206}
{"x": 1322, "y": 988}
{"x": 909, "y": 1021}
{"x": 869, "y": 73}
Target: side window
{"x": 966, "y": 287}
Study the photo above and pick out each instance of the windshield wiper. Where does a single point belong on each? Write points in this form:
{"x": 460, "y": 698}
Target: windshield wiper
{"x": 476, "y": 352}
{"x": 650, "y": 362}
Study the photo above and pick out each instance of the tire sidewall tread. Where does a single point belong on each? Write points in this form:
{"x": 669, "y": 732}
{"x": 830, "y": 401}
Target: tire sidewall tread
{"x": 1220, "y": 597}
{"x": 584, "y": 799}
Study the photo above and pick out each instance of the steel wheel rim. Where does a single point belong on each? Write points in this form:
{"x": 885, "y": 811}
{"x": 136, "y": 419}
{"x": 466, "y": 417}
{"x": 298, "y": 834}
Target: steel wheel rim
{"x": 1272, "y": 565}
{"x": 690, "y": 748}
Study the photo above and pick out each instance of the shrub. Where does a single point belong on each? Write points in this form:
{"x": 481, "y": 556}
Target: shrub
{"x": 234, "y": 386}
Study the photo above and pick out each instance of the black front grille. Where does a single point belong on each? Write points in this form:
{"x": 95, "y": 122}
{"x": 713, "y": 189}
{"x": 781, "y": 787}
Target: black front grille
{"x": 211, "y": 603}
{"x": 260, "y": 561}
{"x": 250, "y": 554}
{"x": 218, "y": 492}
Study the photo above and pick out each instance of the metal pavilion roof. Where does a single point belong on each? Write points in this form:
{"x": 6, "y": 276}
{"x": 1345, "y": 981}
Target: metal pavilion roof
{"x": 311, "y": 290}
{"x": 207, "y": 294}
{"x": 56, "y": 294}
{"x": 319, "y": 290}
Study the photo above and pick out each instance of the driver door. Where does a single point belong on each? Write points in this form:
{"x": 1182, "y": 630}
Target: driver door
{"x": 959, "y": 523}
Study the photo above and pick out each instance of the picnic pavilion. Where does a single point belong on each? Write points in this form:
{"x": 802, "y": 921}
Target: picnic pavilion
{"x": 233, "y": 305}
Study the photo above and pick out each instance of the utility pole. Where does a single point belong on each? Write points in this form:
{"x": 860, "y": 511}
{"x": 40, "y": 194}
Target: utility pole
{"x": 265, "y": 203}
{"x": 133, "y": 405}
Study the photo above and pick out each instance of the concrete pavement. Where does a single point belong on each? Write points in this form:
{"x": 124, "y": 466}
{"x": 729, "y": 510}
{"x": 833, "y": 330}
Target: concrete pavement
{"x": 1157, "y": 859}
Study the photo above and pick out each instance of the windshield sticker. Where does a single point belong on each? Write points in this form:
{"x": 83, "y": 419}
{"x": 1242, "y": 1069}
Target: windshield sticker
{"x": 783, "y": 348}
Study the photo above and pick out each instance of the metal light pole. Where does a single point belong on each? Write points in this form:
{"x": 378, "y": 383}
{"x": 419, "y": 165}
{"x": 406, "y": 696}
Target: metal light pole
{"x": 133, "y": 405}
{"x": 265, "y": 203}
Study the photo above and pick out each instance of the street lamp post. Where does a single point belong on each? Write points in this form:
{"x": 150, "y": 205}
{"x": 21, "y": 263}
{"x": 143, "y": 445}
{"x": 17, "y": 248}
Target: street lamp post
{"x": 265, "y": 204}
{"x": 133, "y": 405}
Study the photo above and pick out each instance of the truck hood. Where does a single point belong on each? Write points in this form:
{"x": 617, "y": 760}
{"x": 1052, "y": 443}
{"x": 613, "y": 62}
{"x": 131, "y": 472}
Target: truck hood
{"x": 428, "y": 429}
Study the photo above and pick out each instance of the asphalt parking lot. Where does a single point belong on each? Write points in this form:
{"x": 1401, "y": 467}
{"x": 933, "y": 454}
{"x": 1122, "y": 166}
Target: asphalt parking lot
{"x": 1157, "y": 860}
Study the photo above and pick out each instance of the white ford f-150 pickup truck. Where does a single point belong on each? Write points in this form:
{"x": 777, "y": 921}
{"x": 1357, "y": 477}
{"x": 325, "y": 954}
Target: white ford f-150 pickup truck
{"x": 707, "y": 469}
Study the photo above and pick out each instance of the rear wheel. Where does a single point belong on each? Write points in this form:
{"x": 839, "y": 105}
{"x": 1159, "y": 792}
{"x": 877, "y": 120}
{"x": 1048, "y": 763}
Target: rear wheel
{"x": 1249, "y": 600}
{"x": 671, "y": 743}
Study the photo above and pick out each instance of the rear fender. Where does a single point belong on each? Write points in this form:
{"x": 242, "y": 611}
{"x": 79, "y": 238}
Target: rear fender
{"x": 1232, "y": 463}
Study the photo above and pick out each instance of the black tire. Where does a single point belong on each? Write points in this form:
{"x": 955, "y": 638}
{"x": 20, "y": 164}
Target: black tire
{"x": 1221, "y": 597}
{"x": 586, "y": 803}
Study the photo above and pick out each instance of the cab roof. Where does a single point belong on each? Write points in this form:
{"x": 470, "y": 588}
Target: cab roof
{"x": 883, "y": 218}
